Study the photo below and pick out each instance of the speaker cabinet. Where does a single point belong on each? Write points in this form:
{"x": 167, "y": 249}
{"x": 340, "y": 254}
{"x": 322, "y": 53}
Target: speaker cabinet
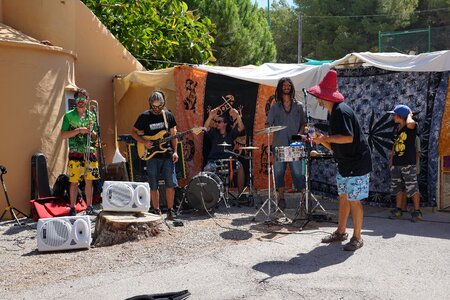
{"x": 64, "y": 233}
{"x": 126, "y": 196}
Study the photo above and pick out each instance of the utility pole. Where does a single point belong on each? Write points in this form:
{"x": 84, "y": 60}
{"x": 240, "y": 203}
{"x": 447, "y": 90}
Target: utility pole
{"x": 268, "y": 13}
{"x": 299, "y": 40}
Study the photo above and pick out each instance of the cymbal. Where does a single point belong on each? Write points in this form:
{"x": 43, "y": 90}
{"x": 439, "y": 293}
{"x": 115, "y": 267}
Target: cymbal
{"x": 224, "y": 145}
{"x": 249, "y": 148}
{"x": 270, "y": 129}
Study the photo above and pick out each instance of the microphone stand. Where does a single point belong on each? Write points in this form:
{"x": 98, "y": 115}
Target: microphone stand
{"x": 308, "y": 196}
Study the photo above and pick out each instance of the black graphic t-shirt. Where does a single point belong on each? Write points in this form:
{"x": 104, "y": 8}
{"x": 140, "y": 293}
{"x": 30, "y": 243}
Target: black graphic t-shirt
{"x": 353, "y": 159}
{"x": 152, "y": 124}
{"x": 215, "y": 138}
{"x": 404, "y": 147}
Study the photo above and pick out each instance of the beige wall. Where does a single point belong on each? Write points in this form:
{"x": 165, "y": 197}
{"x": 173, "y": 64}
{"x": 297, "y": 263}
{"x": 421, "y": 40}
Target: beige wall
{"x": 70, "y": 25}
{"x": 31, "y": 110}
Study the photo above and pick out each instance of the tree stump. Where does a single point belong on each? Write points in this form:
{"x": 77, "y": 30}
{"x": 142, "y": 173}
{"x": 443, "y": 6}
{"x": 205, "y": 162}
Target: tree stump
{"x": 119, "y": 227}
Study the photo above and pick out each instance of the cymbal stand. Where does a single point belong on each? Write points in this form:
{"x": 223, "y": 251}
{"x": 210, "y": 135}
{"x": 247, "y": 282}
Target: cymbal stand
{"x": 252, "y": 193}
{"x": 269, "y": 199}
{"x": 12, "y": 210}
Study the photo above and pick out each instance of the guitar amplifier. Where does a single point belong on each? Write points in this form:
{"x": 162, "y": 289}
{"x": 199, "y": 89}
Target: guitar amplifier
{"x": 138, "y": 167}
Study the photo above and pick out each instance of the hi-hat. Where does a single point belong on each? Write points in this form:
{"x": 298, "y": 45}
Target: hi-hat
{"x": 248, "y": 148}
{"x": 270, "y": 129}
{"x": 224, "y": 145}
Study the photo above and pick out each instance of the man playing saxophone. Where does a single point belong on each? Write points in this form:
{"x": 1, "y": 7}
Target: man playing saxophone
{"x": 79, "y": 127}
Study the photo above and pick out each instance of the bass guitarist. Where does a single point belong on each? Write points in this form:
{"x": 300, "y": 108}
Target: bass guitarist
{"x": 162, "y": 165}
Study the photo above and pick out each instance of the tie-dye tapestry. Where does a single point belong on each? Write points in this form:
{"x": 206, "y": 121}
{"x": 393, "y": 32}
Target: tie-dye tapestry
{"x": 190, "y": 85}
{"x": 371, "y": 92}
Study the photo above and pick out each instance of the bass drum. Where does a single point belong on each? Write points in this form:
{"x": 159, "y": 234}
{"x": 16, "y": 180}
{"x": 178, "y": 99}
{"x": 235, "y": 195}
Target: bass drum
{"x": 205, "y": 187}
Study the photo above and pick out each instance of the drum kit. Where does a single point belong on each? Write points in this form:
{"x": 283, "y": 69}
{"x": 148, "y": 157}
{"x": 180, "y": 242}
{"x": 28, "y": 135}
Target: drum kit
{"x": 208, "y": 188}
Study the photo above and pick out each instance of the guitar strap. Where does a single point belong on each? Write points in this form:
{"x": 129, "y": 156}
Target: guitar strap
{"x": 165, "y": 120}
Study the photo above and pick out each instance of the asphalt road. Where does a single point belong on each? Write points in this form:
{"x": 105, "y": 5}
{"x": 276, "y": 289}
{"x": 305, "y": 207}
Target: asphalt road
{"x": 399, "y": 260}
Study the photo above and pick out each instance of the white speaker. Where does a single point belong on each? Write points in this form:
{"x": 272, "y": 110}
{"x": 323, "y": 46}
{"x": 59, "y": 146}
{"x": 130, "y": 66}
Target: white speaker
{"x": 64, "y": 233}
{"x": 126, "y": 196}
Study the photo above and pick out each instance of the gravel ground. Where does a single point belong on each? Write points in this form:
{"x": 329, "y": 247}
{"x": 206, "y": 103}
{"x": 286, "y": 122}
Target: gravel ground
{"x": 26, "y": 268}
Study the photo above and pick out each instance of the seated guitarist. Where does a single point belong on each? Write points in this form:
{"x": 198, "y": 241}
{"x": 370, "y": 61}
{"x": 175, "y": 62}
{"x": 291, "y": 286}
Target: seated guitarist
{"x": 162, "y": 164}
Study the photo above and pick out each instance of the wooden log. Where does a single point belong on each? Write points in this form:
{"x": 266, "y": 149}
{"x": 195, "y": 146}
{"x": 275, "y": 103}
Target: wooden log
{"x": 119, "y": 227}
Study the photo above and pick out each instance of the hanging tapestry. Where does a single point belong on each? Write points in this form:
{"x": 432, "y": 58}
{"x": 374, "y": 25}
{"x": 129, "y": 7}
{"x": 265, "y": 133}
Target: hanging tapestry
{"x": 371, "y": 92}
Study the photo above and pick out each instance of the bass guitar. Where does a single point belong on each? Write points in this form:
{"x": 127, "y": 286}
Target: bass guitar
{"x": 160, "y": 142}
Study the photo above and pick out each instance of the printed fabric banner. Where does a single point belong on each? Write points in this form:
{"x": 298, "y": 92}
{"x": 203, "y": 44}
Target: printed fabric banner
{"x": 190, "y": 86}
{"x": 266, "y": 97}
{"x": 444, "y": 139}
{"x": 225, "y": 93}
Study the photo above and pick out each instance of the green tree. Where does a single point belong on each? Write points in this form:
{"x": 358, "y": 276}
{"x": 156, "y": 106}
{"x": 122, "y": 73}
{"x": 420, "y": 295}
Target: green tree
{"x": 284, "y": 30}
{"x": 157, "y": 31}
{"x": 242, "y": 32}
{"x": 332, "y": 29}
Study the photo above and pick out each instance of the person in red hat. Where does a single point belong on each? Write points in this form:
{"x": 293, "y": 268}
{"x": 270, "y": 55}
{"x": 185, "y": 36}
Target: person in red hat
{"x": 351, "y": 152}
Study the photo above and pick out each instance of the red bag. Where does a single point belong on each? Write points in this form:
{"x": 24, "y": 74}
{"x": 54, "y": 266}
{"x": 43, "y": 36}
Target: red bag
{"x": 50, "y": 207}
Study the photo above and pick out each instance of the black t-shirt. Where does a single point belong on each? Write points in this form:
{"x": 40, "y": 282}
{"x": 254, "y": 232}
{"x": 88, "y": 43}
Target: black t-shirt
{"x": 215, "y": 138}
{"x": 152, "y": 124}
{"x": 353, "y": 159}
{"x": 404, "y": 147}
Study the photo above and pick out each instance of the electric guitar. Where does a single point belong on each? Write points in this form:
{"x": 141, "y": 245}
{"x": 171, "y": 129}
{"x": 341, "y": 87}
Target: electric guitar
{"x": 159, "y": 142}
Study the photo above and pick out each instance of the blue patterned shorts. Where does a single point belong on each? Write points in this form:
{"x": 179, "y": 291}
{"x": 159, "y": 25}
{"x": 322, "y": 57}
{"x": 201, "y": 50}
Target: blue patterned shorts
{"x": 356, "y": 188}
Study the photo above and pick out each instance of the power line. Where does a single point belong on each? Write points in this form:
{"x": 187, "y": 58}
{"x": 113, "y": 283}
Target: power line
{"x": 378, "y": 15}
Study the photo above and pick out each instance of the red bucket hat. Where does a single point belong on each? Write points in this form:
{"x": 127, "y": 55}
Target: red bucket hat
{"x": 327, "y": 88}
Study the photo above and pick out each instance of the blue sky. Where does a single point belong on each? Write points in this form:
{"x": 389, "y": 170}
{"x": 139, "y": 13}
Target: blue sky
{"x": 263, "y": 3}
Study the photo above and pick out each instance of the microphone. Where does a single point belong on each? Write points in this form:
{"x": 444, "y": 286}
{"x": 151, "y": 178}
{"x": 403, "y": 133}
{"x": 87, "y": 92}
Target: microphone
{"x": 305, "y": 92}
{"x": 2, "y": 169}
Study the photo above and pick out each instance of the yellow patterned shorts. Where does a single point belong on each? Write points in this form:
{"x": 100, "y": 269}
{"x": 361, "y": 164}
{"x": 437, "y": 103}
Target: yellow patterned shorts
{"x": 77, "y": 168}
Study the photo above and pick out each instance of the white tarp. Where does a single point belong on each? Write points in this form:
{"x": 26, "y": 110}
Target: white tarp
{"x": 438, "y": 61}
{"x": 303, "y": 76}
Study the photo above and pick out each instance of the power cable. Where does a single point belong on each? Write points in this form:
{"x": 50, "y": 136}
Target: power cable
{"x": 377, "y": 15}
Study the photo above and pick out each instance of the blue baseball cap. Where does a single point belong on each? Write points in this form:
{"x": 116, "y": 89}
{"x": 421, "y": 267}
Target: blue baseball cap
{"x": 401, "y": 110}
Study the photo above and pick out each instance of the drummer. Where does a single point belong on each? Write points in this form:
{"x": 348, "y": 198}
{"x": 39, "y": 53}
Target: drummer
{"x": 286, "y": 111}
{"x": 220, "y": 131}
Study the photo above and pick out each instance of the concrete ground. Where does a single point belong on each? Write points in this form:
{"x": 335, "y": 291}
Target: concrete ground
{"x": 399, "y": 260}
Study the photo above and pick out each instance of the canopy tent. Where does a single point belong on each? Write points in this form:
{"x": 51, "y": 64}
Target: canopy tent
{"x": 438, "y": 61}
{"x": 302, "y": 75}
{"x": 399, "y": 68}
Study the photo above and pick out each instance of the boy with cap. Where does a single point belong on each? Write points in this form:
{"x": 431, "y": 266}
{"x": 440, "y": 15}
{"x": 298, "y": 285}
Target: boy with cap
{"x": 402, "y": 162}
{"x": 351, "y": 152}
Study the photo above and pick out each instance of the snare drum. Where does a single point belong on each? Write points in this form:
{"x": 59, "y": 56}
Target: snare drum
{"x": 289, "y": 153}
{"x": 223, "y": 166}
{"x": 204, "y": 188}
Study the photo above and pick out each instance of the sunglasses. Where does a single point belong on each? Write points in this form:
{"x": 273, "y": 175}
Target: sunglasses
{"x": 157, "y": 107}
{"x": 218, "y": 121}
{"x": 80, "y": 98}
